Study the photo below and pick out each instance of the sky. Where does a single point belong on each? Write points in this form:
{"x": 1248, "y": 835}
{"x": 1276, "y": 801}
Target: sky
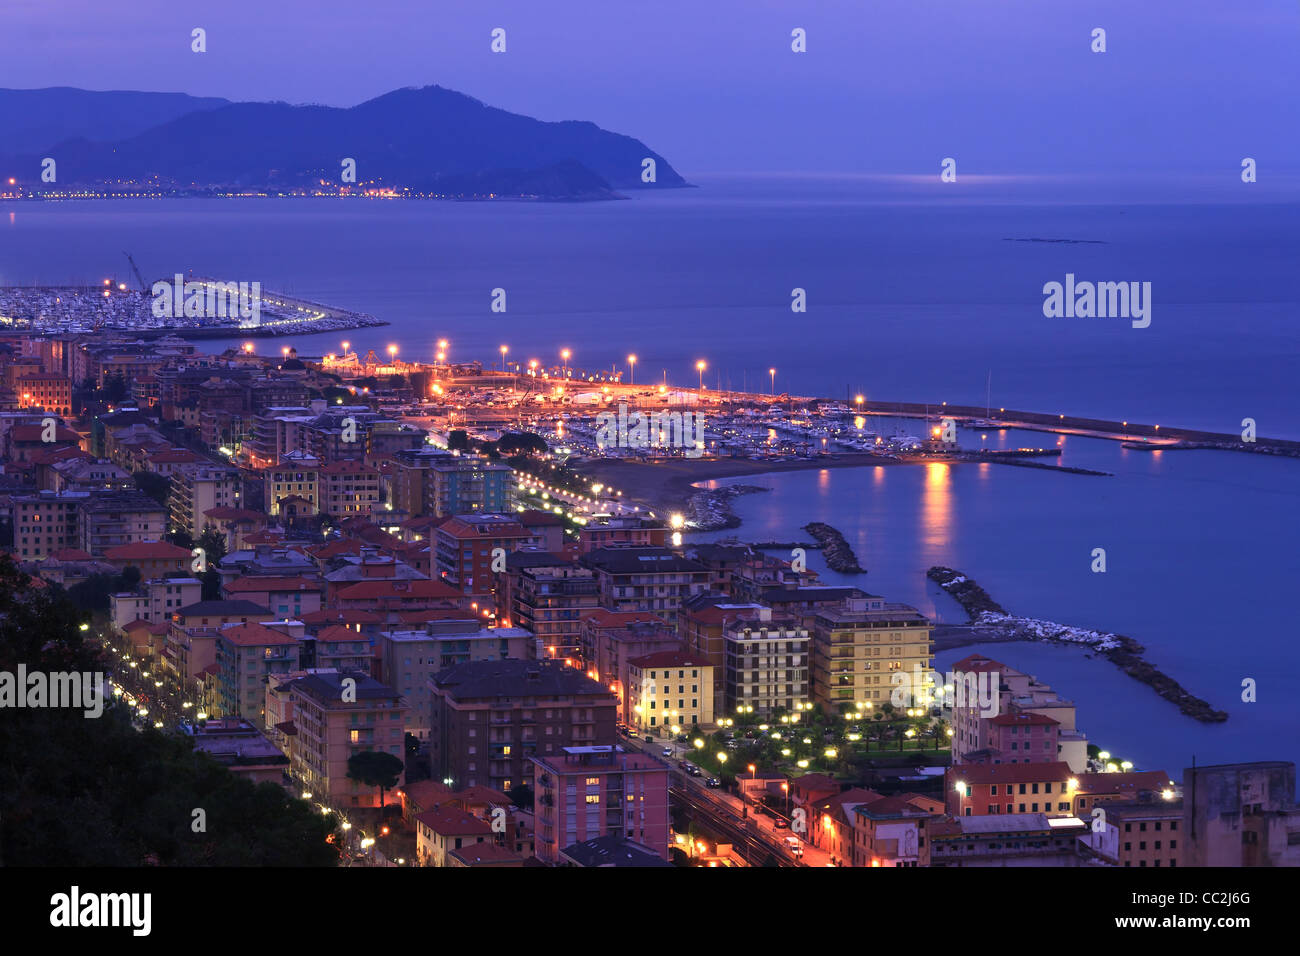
{"x": 886, "y": 86}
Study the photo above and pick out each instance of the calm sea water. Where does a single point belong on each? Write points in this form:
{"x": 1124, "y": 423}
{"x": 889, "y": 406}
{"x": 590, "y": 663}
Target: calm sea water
{"x": 914, "y": 293}
{"x": 1201, "y": 568}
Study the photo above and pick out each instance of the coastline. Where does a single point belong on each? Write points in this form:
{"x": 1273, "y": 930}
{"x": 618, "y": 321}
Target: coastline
{"x": 671, "y": 484}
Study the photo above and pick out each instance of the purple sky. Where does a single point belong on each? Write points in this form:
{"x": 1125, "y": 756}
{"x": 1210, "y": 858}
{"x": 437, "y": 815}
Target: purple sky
{"x": 886, "y": 85}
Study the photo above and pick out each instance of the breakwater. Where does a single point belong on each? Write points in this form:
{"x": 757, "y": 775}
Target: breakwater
{"x": 1099, "y": 427}
{"x": 839, "y": 556}
{"x": 1018, "y": 461}
{"x": 990, "y": 618}
{"x": 711, "y": 510}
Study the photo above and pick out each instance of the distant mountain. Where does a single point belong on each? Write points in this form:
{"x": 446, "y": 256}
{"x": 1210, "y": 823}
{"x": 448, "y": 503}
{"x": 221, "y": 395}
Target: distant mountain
{"x": 427, "y": 140}
{"x": 32, "y": 120}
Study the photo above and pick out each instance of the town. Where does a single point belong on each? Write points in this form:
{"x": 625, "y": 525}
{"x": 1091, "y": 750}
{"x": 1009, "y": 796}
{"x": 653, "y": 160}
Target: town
{"x": 421, "y": 597}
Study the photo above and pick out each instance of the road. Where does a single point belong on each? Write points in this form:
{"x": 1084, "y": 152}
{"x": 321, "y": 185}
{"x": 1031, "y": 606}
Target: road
{"x": 755, "y": 836}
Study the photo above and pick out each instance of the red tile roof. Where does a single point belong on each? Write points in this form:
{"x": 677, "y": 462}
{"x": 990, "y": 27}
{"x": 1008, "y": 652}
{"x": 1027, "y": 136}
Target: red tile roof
{"x": 334, "y": 615}
{"x": 1019, "y": 719}
{"x": 253, "y": 583}
{"x": 255, "y": 635}
{"x": 374, "y": 590}
{"x": 600, "y": 617}
{"x": 987, "y": 773}
{"x": 669, "y": 659}
{"x": 449, "y": 821}
{"x": 146, "y": 551}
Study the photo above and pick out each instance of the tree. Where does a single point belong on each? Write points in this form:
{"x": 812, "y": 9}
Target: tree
{"x": 522, "y": 443}
{"x": 82, "y": 792}
{"x": 521, "y": 795}
{"x": 458, "y": 440}
{"x": 115, "y": 390}
{"x": 374, "y": 768}
{"x": 213, "y": 543}
{"x": 156, "y": 486}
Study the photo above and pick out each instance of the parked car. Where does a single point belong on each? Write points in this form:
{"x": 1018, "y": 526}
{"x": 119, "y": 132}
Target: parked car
{"x": 668, "y": 751}
{"x": 712, "y": 782}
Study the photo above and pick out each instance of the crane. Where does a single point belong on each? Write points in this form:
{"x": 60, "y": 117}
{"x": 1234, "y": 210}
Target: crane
{"x": 136, "y": 269}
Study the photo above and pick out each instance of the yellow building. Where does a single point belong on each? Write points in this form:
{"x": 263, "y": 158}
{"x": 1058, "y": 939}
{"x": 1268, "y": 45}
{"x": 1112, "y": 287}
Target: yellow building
{"x": 857, "y": 647}
{"x": 293, "y": 478}
{"x": 670, "y": 689}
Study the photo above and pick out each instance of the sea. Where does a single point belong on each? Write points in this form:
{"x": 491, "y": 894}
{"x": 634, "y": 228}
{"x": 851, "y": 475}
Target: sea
{"x": 914, "y": 291}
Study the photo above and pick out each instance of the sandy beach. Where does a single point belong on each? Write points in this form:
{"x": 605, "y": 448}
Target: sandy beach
{"x": 667, "y": 485}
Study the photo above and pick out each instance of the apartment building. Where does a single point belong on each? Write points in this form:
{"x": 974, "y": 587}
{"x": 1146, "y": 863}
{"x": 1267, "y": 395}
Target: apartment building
{"x": 428, "y": 481}
{"x": 860, "y": 644}
{"x": 646, "y": 579}
{"x": 548, "y": 594}
{"x": 489, "y": 717}
{"x": 199, "y": 488}
{"x": 470, "y": 549}
{"x": 249, "y": 654}
{"x": 329, "y": 726}
{"x": 348, "y": 489}
{"x": 1241, "y": 814}
{"x": 46, "y": 522}
{"x": 983, "y": 734}
{"x": 155, "y": 600}
{"x": 766, "y": 665}
{"x": 192, "y": 635}
{"x": 586, "y": 792}
{"x": 45, "y": 391}
{"x": 113, "y": 518}
{"x": 669, "y": 689}
{"x": 611, "y": 640}
{"x": 412, "y": 657}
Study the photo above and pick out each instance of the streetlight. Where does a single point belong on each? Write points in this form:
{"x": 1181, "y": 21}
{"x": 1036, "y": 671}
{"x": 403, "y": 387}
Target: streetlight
{"x": 772, "y": 372}
{"x": 631, "y": 369}
{"x": 564, "y": 355}
{"x": 700, "y": 367}
{"x": 392, "y": 354}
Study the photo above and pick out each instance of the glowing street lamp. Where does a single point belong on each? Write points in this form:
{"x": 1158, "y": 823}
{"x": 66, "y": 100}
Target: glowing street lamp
{"x": 564, "y": 356}
{"x": 700, "y": 366}
{"x": 345, "y": 347}
{"x": 392, "y": 354}
{"x": 504, "y": 350}
{"x": 631, "y": 369}
{"x": 772, "y": 372}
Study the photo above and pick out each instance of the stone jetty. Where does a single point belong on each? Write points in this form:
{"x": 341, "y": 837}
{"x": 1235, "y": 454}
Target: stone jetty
{"x": 839, "y": 556}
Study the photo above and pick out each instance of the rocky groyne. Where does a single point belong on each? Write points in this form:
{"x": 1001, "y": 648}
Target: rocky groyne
{"x": 988, "y": 618}
{"x": 711, "y": 510}
{"x": 839, "y": 556}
